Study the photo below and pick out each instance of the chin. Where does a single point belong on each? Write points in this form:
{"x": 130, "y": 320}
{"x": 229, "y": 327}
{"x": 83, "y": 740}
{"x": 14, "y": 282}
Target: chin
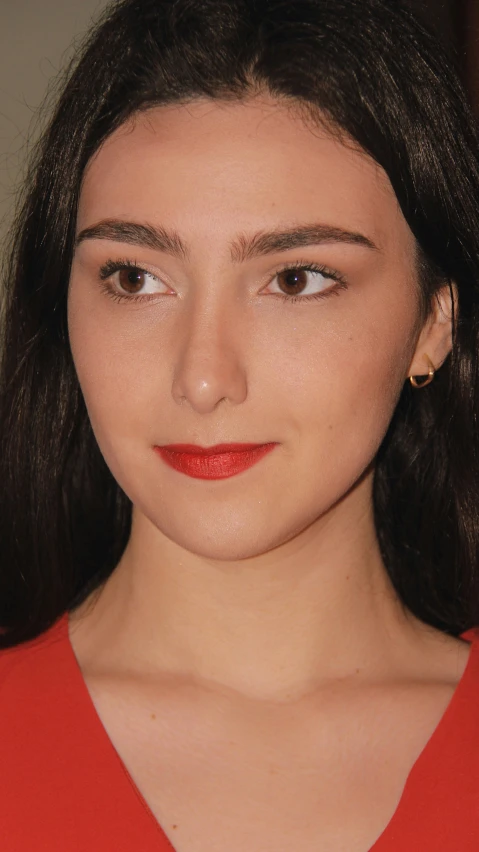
{"x": 228, "y": 534}
{"x": 230, "y": 540}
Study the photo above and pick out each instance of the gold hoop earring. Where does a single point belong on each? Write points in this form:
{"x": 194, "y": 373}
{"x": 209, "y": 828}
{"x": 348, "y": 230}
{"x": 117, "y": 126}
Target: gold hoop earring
{"x": 428, "y": 379}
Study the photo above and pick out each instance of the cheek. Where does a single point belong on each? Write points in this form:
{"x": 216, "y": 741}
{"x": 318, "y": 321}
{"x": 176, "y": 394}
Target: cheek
{"x": 120, "y": 368}
{"x": 338, "y": 386}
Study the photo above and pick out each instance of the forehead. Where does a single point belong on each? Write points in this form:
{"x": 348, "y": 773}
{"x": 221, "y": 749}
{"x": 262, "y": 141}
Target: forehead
{"x": 221, "y": 166}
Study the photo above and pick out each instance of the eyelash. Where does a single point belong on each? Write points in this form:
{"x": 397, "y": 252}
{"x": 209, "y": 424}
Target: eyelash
{"x": 111, "y": 266}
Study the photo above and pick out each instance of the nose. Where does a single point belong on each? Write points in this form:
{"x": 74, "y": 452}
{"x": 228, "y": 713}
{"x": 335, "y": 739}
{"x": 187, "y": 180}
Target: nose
{"x": 209, "y": 367}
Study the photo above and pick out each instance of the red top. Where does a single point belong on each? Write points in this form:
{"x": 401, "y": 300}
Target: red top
{"x": 63, "y": 787}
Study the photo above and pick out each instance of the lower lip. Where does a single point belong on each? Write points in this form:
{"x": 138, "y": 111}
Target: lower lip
{"x": 218, "y": 465}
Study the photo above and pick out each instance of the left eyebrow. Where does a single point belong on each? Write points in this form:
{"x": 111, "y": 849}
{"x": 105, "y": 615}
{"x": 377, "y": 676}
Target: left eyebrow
{"x": 242, "y": 249}
{"x": 306, "y": 235}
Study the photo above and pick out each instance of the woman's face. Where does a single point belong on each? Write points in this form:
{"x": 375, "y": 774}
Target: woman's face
{"x": 214, "y": 342}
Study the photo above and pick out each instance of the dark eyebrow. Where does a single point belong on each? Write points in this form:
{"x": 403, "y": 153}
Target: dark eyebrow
{"x": 134, "y": 234}
{"x": 244, "y": 248}
{"x": 306, "y": 235}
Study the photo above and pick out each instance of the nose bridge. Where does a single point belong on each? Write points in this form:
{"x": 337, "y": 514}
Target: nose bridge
{"x": 210, "y": 366}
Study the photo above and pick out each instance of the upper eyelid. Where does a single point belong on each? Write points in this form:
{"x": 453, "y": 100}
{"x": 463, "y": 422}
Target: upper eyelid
{"x": 112, "y": 266}
{"x": 312, "y": 266}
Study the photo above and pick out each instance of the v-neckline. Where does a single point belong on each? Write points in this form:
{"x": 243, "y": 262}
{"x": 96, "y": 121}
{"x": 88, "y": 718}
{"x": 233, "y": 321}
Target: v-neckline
{"x": 447, "y": 722}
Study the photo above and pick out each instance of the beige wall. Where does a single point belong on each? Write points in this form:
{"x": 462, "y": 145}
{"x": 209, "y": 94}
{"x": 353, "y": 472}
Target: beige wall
{"x": 36, "y": 38}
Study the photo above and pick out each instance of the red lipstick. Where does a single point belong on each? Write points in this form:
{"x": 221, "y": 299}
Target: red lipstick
{"x": 218, "y": 462}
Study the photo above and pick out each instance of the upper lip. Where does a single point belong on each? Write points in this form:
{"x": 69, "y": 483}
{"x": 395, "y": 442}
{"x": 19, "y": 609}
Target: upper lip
{"x": 197, "y": 450}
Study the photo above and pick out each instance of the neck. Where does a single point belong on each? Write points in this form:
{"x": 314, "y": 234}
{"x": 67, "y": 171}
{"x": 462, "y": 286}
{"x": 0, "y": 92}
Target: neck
{"x": 273, "y": 626}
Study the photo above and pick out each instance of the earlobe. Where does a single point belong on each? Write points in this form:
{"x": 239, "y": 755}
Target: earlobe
{"x": 429, "y": 378}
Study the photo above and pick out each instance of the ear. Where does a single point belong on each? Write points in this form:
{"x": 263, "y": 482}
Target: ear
{"x": 435, "y": 338}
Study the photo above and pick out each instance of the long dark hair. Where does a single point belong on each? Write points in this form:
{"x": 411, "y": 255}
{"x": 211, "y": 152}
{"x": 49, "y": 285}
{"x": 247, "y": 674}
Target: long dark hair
{"x": 384, "y": 81}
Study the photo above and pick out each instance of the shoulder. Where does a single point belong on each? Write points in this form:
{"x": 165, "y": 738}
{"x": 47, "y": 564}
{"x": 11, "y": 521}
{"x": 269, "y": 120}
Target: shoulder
{"x": 471, "y": 636}
{"x": 33, "y": 678}
{"x": 467, "y": 693}
{"x": 453, "y": 751}
{"x": 36, "y": 725}
{"x": 470, "y": 680}
{"x": 26, "y": 668}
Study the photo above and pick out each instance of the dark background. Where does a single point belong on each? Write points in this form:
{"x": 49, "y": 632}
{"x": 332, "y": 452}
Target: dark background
{"x": 458, "y": 23}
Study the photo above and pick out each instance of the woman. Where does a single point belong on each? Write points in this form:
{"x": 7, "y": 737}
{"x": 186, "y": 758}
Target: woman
{"x": 238, "y": 441}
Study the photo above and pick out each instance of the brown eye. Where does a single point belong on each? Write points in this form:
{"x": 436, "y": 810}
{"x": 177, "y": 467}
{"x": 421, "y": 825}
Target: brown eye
{"x": 131, "y": 280}
{"x": 293, "y": 281}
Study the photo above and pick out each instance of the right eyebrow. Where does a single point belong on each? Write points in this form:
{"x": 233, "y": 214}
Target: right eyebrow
{"x": 134, "y": 234}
